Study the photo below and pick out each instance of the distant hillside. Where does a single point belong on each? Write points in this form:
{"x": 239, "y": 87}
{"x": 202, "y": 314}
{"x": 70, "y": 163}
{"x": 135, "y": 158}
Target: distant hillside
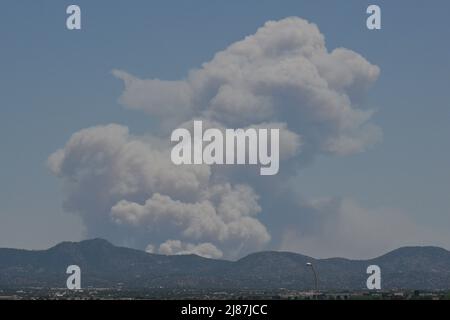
{"x": 105, "y": 265}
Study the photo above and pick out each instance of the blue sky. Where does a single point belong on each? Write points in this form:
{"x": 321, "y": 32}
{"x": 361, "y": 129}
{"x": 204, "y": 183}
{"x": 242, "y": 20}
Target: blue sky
{"x": 55, "y": 82}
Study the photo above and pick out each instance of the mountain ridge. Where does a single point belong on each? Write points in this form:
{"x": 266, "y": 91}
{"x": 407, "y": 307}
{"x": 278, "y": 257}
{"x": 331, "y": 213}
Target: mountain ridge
{"x": 106, "y": 265}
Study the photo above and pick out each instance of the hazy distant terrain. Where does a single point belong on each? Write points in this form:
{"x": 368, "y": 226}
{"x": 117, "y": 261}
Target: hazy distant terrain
{"x": 105, "y": 265}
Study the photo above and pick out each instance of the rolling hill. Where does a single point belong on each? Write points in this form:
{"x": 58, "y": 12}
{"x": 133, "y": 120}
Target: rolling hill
{"x": 107, "y": 266}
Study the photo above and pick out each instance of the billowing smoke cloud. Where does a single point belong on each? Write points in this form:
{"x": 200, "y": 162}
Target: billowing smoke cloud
{"x": 176, "y": 247}
{"x": 126, "y": 188}
{"x": 283, "y": 73}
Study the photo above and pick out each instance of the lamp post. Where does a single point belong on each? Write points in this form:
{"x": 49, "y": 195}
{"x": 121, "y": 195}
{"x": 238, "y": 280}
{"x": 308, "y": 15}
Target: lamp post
{"x": 309, "y": 264}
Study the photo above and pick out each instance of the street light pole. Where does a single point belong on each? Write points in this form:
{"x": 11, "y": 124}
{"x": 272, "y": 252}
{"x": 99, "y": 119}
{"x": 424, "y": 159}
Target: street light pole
{"x": 309, "y": 264}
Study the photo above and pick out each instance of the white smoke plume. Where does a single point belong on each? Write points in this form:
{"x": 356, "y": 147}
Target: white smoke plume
{"x": 176, "y": 247}
{"x": 283, "y": 73}
{"x": 125, "y": 187}
{"x": 116, "y": 180}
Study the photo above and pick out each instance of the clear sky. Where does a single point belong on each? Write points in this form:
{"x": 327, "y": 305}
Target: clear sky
{"x": 55, "y": 82}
